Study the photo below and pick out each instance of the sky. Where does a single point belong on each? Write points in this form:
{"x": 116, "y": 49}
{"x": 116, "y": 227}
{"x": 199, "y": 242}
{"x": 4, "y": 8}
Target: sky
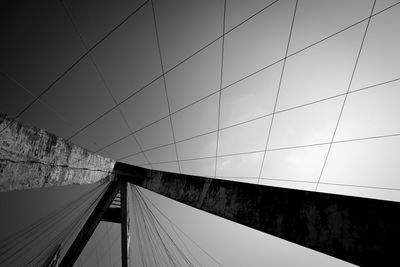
{"x": 276, "y": 101}
{"x": 297, "y": 94}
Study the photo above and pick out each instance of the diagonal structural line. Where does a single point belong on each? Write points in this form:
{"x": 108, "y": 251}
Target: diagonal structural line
{"x": 81, "y": 220}
{"x": 48, "y": 227}
{"x": 14, "y": 120}
{"x": 134, "y": 137}
{"x": 112, "y": 108}
{"x": 221, "y": 36}
{"x": 150, "y": 223}
{"x": 44, "y": 221}
{"x": 80, "y": 59}
{"x": 13, "y": 80}
{"x": 105, "y": 37}
{"x": 180, "y": 63}
{"x": 347, "y": 93}
{"x": 263, "y": 116}
{"x": 272, "y": 149}
{"x": 153, "y": 219}
{"x": 241, "y": 79}
{"x": 88, "y": 52}
{"x": 165, "y": 84}
{"x": 72, "y": 66}
{"x": 362, "y": 186}
{"x": 279, "y": 88}
{"x": 162, "y": 118}
{"x": 267, "y": 115}
{"x": 164, "y": 233}
{"x": 310, "y": 182}
{"x": 175, "y": 226}
{"x": 282, "y": 148}
{"x": 226, "y": 87}
{"x": 220, "y": 88}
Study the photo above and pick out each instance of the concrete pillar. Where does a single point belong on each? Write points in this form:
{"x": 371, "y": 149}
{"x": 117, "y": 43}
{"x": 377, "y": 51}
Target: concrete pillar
{"x": 362, "y": 231}
{"x": 32, "y": 158}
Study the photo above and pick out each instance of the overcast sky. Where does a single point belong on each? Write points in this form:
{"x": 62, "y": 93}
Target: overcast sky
{"x": 298, "y": 94}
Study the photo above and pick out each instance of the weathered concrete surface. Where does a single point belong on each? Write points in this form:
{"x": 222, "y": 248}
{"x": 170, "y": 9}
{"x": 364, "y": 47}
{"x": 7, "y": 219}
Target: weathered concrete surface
{"x": 362, "y": 231}
{"x": 32, "y": 158}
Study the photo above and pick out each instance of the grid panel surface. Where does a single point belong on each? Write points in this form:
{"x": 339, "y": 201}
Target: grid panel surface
{"x": 276, "y": 94}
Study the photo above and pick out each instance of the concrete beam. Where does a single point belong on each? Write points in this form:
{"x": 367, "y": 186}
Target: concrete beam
{"x": 33, "y": 158}
{"x": 358, "y": 230}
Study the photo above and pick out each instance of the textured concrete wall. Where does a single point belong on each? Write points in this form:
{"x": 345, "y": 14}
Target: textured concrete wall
{"x": 32, "y": 158}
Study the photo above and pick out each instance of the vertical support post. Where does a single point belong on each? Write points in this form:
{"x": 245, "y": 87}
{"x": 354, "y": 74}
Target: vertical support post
{"x": 89, "y": 227}
{"x": 124, "y": 223}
